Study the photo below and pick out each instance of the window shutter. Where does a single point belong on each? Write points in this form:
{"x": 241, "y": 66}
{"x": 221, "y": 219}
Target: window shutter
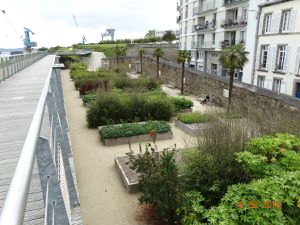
{"x": 257, "y": 62}
{"x": 261, "y": 24}
{"x": 292, "y": 20}
{"x": 273, "y": 58}
{"x": 276, "y": 26}
{"x": 273, "y": 19}
{"x": 286, "y": 60}
{"x": 282, "y": 87}
{"x": 296, "y": 68}
{"x": 269, "y": 59}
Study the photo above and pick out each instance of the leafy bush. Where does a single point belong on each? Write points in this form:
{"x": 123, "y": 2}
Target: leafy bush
{"x": 133, "y": 129}
{"x": 158, "y": 180}
{"x": 182, "y": 103}
{"x": 140, "y": 84}
{"x": 117, "y": 107}
{"x": 89, "y": 98}
{"x": 92, "y": 85}
{"x": 195, "y": 117}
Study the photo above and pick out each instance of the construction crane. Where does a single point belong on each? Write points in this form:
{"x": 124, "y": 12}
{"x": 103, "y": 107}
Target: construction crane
{"x": 83, "y": 40}
{"x": 28, "y": 44}
{"x": 109, "y": 32}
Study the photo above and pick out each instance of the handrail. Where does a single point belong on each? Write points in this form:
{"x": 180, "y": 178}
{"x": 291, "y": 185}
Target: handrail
{"x": 12, "y": 64}
{"x": 14, "y": 207}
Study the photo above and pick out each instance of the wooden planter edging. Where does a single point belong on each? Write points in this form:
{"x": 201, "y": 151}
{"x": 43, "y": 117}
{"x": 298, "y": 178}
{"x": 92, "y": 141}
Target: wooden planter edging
{"x": 131, "y": 187}
{"x": 139, "y": 138}
{"x": 191, "y": 129}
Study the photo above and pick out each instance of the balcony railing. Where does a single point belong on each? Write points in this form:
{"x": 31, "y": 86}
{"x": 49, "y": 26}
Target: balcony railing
{"x": 228, "y": 23}
{"x": 230, "y": 2}
{"x": 202, "y": 45}
{"x": 227, "y": 43}
{"x": 205, "y": 26}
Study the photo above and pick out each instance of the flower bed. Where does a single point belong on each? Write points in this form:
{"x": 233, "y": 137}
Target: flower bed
{"x": 134, "y": 132}
{"x": 193, "y": 123}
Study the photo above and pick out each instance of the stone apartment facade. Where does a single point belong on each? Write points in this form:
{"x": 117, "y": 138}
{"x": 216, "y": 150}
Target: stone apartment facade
{"x": 278, "y": 47}
{"x": 269, "y": 30}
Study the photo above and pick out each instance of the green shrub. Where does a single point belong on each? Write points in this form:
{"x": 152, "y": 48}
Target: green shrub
{"x": 158, "y": 181}
{"x": 196, "y": 117}
{"x": 182, "y": 103}
{"x": 133, "y": 129}
{"x": 89, "y": 98}
{"x": 120, "y": 107}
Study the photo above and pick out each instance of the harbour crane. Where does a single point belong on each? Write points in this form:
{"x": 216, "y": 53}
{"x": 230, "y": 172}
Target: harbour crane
{"x": 110, "y": 33}
{"x": 28, "y": 44}
{"x": 83, "y": 40}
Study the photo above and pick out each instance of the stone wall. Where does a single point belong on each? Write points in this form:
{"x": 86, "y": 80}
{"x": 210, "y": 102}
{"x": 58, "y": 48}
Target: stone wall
{"x": 246, "y": 98}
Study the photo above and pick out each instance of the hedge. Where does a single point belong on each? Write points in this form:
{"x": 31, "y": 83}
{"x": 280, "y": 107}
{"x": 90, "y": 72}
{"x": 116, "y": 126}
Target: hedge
{"x": 118, "y": 107}
{"x": 89, "y": 98}
{"x": 133, "y": 129}
{"x": 182, "y": 103}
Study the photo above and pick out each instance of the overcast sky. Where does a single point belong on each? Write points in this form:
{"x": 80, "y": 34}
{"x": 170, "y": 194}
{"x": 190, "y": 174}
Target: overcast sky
{"x": 53, "y": 23}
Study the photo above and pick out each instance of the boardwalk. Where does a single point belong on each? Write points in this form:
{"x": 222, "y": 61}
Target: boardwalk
{"x": 18, "y": 99}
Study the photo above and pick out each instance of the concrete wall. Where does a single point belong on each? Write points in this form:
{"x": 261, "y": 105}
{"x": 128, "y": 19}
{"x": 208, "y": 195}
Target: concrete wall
{"x": 246, "y": 98}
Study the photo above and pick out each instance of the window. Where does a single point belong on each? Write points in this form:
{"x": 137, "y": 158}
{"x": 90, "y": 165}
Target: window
{"x": 281, "y": 57}
{"x": 261, "y": 81}
{"x": 214, "y": 38}
{"x": 268, "y": 20}
{"x": 286, "y": 21}
{"x": 276, "y": 85}
{"x": 243, "y": 36}
{"x": 214, "y": 69}
{"x": 263, "y": 56}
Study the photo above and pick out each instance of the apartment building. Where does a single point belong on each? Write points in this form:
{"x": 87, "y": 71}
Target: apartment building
{"x": 207, "y": 26}
{"x": 278, "y": 47}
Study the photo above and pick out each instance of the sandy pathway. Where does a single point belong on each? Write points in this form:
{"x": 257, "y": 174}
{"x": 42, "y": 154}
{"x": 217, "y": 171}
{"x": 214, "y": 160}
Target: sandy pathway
{"x": 104, "y": 200}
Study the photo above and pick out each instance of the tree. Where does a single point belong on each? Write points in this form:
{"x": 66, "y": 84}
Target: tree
{"x": 158, "y": 52}
{"x": 150, "y": 34}
{"x": 141, "y": 53}
{"x": 182, "y": 57}
{"x": 233, "y": 58}
{"x": 169, "y": 36}
{"x": 119, "y": 51}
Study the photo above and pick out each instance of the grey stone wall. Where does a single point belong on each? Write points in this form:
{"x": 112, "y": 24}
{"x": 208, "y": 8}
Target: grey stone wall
{"x": 246, "y": 98}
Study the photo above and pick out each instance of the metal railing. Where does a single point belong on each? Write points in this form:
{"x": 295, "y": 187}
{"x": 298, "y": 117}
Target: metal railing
{"x": 10, "y": 65}
{"x": 228, "y": 23}
{"x": 205, "y": 26}
{"x": 52, "y": 157}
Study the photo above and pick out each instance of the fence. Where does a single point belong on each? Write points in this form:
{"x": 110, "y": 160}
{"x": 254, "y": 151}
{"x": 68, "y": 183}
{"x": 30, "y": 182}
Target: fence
{"x": 10, "y": 65}
{"x": 53, "y": 161}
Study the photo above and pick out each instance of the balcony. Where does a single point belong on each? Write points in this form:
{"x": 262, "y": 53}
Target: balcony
{"x": 232, "y": 2}
{"x": 208, "y": 6}
{"x": 227, "y": 43}
{"x": 229, "y": 23}
{"x": 178, "y": 19}
{"x": 203, "y": 45}
{"x": 205, "y": 26}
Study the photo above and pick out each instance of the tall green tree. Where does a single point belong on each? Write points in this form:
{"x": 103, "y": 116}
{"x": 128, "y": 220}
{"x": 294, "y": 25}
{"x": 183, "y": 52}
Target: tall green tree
{"x": 141, "y": 53}
{"x": 157, "y": 53}
{"x": 150, "y": 34}
{"x": 169, "y": 36}
{"x": 233, "y": 58}
{"x": 183, "y": 56}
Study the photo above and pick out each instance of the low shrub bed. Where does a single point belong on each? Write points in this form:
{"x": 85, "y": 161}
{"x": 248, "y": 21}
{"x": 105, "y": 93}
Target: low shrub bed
{"x": 195, "y": 117}
{"x": 89, "y": 98}
{"x": 140, "y": 84}
{"x": 117, "y": 107}
{"x": 92, "y": 85}
{"x": 182, "y": 103}
{"x": 133, "y": 129}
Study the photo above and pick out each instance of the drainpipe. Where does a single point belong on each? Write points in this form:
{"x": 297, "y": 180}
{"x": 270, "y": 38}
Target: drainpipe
{"x": 255, "y": 48}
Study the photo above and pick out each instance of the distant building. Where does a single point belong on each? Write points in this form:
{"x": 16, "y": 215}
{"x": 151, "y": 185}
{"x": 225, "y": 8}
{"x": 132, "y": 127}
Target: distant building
{"x": 207, "y": 26}
{"x": 278, "y": 47}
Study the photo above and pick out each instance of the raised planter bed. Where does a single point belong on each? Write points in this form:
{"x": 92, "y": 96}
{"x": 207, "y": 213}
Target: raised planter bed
{"x": 193, "y": 129}
{"x": 185, "y": 110}
{"x": 139, "y": 138}
{"x": 135, "y": 132}
{"x": 129, "y": 177}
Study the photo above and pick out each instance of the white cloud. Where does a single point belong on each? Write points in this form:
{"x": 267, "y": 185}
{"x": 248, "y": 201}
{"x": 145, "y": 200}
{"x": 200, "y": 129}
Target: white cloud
{"x": 53, "y": 24}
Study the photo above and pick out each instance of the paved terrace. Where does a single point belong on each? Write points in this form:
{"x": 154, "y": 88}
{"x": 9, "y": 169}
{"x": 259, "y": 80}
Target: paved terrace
{"x": 19, "y": 96}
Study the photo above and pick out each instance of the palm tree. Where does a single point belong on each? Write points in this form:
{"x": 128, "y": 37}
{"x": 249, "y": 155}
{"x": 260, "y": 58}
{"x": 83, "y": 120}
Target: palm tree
{"x": 141, "y": 53}
{"x": 182, "y": 57}
{"x": 233, "y": 58}
{"x": 158, "y": 52}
